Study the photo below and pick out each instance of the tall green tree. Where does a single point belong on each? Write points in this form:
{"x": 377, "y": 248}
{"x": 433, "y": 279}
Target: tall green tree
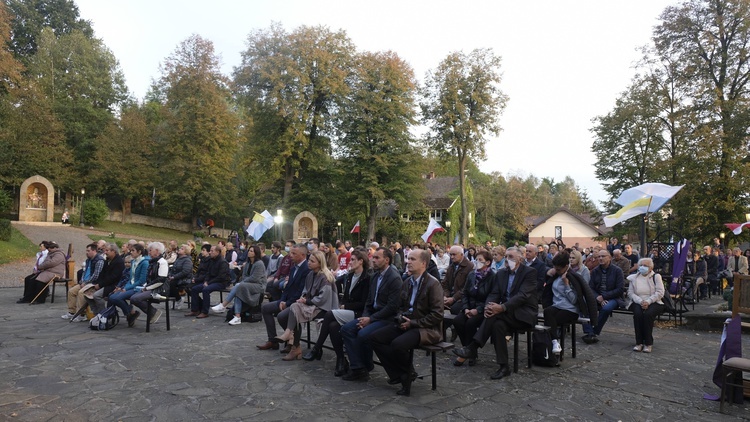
{"x": 82, "y": 79}
{"x": 126, "y": 157}
{"x": 707, "y": 42}
{"x": 293, "y": 84}
{"x": 31, "y": 138}
{"x": 30, "y": 17}
{"x": 198, "y": 132}
{"x": 376, "y": 153}
{"x": 461, "y": 105}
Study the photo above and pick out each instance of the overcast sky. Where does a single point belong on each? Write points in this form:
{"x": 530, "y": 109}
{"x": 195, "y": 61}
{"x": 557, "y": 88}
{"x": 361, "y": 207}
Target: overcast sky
{"x": 564, "y": 61}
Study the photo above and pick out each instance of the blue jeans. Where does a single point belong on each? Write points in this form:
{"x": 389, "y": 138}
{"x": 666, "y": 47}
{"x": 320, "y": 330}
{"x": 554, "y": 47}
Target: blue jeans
{"x": 604, "y": 312}
{"x": 357, "y": 342}
{"x": 118, "y": 299}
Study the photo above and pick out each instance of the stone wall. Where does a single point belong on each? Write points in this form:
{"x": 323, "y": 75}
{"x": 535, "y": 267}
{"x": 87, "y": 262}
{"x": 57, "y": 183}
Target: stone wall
{"x": 150, "y": 221}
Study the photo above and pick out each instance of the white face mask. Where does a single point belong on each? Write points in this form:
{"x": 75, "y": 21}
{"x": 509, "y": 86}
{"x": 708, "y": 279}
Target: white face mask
{"x": 286, "y": 248}
{"x": 643, "y": 270}
{"x": 480, "y": 265}
{"x": 511, "y": 264}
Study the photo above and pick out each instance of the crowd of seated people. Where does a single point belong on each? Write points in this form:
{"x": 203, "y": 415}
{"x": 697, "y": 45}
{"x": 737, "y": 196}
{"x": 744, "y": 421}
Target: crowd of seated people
{"x": 369, "y": 306}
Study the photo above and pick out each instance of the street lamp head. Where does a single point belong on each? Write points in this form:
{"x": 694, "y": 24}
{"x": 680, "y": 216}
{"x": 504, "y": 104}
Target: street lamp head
{"x": 721, "y": 235}
{"x": 747, "y": 216}
{"x": 83, "y": 191}
{"x": 278, "y": 212}
{"x": 447, "y": 223}
{"x": 278, "y": 219}
{"x": 339, "y": 224}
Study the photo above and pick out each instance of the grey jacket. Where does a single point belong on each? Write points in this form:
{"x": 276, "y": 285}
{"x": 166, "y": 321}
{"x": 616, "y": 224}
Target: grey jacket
{"x": 252, "y": 283}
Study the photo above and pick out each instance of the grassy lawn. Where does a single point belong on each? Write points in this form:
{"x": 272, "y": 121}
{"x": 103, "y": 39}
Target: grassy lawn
{"x": 19, "y": 247}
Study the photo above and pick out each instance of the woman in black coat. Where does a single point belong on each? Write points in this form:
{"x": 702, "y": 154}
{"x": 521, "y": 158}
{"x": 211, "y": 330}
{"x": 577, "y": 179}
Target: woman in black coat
{"x": 478, "y": 286}
{"x": 355, "y": 289}
{"x": 565, "y": 297}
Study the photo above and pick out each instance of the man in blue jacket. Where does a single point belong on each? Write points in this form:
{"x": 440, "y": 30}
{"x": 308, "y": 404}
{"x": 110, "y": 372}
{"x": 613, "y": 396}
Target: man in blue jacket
{"x": 292, "y": 291}
{"x": 607, "y": 282}
{"x": 380, "y": 310}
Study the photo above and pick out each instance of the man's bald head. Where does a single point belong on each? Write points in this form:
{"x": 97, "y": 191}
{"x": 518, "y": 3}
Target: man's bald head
{"x": 457, "y": 254}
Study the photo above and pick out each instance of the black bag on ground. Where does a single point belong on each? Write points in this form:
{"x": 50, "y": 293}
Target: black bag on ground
{"x": 248, "y": 314}
{"x": 105, "y": 320}
{"x": 541, "y": 351}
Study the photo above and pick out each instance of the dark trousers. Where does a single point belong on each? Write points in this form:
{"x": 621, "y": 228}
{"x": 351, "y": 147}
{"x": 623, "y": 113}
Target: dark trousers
{"x": 270, "y": 311}
{"x": 466, "y": 327}
{"x": 498, "y": 327}
{"x": 392, "y": 345}
{"x": 643, "y": 322}
{"x": 332, "y": 328}
{"x": 32, "y": 287}
{"x": 554, "y": 317}
{"x": 201, "y": 296}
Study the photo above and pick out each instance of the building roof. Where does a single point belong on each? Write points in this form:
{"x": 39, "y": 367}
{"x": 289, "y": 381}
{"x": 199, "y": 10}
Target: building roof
{"x": 439, "y": 192}
{"x": 534, "y": 221}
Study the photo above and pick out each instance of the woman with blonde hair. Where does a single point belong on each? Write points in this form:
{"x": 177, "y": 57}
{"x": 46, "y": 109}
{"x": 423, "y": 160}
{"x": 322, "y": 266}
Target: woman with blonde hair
{"x": 576, "y": 265}
{"x": 645, "y": 291}
{"x": 318, "y": 297}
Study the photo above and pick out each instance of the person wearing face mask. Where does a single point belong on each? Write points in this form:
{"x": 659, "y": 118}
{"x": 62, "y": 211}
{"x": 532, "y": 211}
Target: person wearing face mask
{"x": 455, "y": 278}
{"x": 476, "y": 290}
{"x": 511, "y": 306}
{"x": 276, "y": 285}
{"x": 566, "y": 295}
{"x": 534, "y": 261}
{"x": 645, "y": 292}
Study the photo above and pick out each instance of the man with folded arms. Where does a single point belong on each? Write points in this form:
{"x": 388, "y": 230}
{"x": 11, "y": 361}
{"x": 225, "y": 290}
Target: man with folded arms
{"x": 214, "y": 279}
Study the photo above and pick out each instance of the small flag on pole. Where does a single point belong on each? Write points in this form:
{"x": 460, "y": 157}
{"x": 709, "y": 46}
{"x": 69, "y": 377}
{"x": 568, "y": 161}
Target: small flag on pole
{"x": 432, "y": 228}
{"x": 355, "y": 229}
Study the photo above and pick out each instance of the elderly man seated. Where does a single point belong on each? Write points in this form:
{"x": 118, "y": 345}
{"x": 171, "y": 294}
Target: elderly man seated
{"x": 511, "y": 306}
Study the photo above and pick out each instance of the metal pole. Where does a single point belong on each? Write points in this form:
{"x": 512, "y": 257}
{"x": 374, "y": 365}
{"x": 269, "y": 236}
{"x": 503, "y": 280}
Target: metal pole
{"x": 643, "y": 234}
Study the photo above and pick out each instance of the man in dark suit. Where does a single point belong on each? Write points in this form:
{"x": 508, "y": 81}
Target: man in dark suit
{"x": 380, "y": 310}
{"x": 292, "y": 291}
{"x": 421, "y": 311}
{"x": 534, "y": 261}
{"x": 511, "y": 306}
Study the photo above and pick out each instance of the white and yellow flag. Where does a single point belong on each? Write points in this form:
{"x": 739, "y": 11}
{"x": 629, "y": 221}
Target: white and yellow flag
{"x": 637, "y": 207}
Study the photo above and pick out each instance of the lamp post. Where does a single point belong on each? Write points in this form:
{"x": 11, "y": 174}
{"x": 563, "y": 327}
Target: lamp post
{"x": 338, "y": 230}
{"x": 83, "y": 192}
{"x": 448, "y": 232}
{"x": 278, "y": 220}
{"x": 721, "y": 236}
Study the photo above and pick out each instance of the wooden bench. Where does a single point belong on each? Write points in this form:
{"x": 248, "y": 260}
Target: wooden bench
{"x": 153, "y": 300}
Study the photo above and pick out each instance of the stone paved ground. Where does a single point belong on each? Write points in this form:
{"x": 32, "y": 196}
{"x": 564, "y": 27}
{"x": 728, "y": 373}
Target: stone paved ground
{"x": 53, "y": 370}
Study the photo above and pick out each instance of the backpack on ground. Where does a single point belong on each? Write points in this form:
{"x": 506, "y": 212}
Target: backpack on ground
{"x": 541, "y": 349}
{"x": 105, "y": 320}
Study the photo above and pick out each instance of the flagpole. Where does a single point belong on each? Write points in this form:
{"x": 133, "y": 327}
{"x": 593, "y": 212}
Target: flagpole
{"x": 643, "y": 228}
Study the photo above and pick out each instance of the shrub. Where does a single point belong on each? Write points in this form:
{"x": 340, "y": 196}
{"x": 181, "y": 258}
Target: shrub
{"x": 5, "y": 202}
{"x": 5, "y": 230}
{"x": 94, "y": 211}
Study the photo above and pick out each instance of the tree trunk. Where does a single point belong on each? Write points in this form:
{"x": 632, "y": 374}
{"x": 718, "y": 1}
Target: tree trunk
{"x": 126, "y": 209}
{"x": 371, "y": 218}
{"x": 462, "y": 187}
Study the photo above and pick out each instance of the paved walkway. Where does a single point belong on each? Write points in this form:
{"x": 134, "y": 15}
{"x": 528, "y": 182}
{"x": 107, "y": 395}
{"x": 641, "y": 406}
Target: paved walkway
{"x": 207, "y": 370}
{"x": 53, "y": 370}
{"x": 12, "y": 274}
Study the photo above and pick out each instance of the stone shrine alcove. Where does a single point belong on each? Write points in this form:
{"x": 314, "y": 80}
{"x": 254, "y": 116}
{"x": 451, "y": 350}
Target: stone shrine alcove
{"x": 37, "y": 200}
{"x": 305, "y": 227}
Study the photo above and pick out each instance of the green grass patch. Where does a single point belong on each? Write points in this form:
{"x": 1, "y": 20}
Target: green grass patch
{"x": 19, "y": 247}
